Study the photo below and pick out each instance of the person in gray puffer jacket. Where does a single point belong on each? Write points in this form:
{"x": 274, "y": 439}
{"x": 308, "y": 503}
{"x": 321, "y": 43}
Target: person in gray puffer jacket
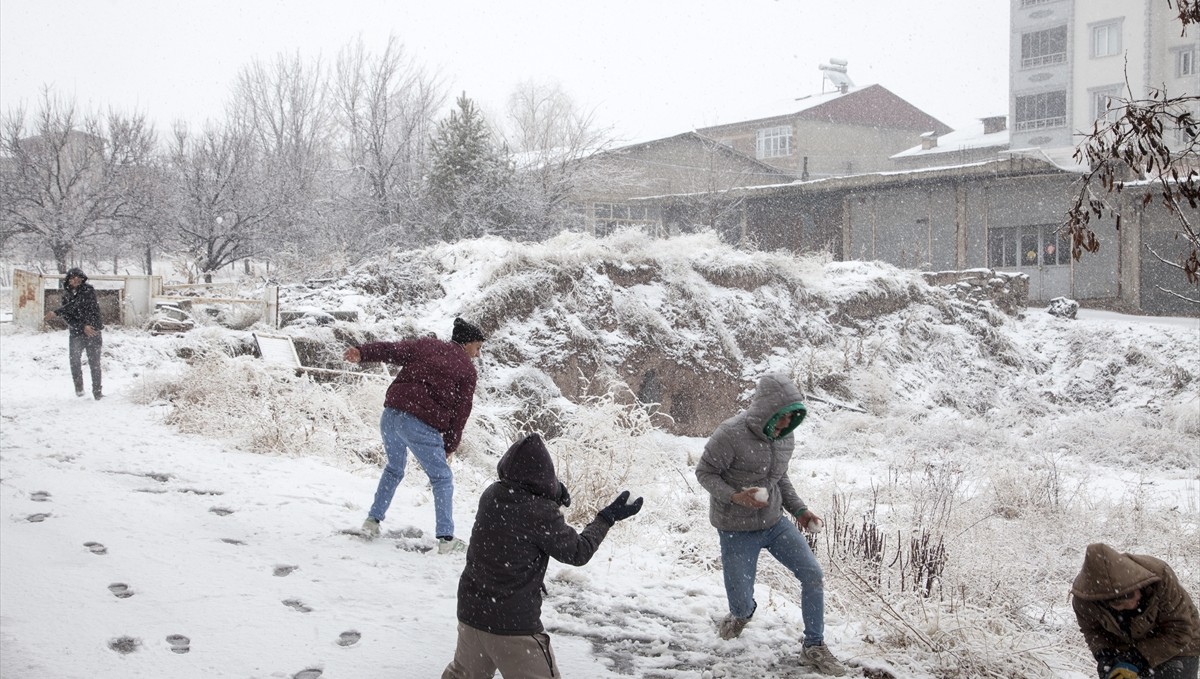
{"x": 744, "y": 468}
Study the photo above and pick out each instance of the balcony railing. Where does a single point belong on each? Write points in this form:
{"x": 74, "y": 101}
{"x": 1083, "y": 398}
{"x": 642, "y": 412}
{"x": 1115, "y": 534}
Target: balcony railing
{"x": 1041, "y": 123}
{"x": 1044, "y": 60}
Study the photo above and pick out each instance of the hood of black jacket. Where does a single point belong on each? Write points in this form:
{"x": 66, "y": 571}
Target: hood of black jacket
{"x": 73, "y": 271}
{"x": 527, "y": 464}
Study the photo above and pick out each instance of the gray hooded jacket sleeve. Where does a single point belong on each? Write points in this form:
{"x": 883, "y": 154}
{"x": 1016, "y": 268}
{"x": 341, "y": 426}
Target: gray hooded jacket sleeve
{"x": 741, "y": 455}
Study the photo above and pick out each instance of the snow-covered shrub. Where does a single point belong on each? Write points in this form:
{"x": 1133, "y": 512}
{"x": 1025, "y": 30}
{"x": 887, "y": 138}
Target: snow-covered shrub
{"x": 265, "y": 409}
{"x": 601, "y": 444}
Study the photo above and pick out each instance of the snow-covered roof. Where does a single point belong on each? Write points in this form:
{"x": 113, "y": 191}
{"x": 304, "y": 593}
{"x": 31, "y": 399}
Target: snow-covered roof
{"x": 787, "y": 106}
{"x": 968, "y": 138}
{"x": 1061, "y": 157}
{"x": 992, "y": 167}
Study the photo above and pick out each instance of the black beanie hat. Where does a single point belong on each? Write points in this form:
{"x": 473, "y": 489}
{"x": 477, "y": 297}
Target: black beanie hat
{"x": 465, "y": 333}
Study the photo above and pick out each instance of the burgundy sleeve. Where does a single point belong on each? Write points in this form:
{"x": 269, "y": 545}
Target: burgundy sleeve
{"x": 462, "y": 413}
{"x": 396, "y": 353}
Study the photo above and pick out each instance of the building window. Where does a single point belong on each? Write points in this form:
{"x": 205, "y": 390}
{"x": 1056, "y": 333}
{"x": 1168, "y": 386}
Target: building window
{"x": 1040, "y": 111}
{"x": 1185, "y": 62}
{"x": 608, "y": 217}
{"x": 1042, "y": 48}
{"x": 1029, "y": 246}
{"x": 775, "y": 142}
{"x": 1106, "y": 104}
{"x": 1106, "y": 39}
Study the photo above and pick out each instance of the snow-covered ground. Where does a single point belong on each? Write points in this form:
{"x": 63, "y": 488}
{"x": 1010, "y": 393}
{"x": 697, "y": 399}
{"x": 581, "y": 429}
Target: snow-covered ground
{"x": 136, "y": 544}
{"x": 125, "y": 542}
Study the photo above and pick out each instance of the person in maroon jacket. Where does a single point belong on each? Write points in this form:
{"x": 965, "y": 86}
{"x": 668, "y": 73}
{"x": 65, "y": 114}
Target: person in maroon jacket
{"x": 518, "y": 529}
{"x": 425, "y": 410}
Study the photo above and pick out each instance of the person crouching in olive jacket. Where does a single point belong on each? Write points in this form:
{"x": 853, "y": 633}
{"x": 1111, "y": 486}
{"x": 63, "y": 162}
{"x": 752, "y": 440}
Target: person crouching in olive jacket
{"x": 518, "y": 528}
{"x": 1135, "y": 617}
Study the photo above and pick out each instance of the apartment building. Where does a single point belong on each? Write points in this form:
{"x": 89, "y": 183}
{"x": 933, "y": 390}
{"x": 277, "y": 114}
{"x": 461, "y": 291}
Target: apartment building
{"x": 1071, "y": 58}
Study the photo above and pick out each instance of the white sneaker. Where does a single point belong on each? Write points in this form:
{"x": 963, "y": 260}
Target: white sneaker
{"x": 370, "y": 528}
{"x": 451, "y": 546}
{"x": 823, "y": 660}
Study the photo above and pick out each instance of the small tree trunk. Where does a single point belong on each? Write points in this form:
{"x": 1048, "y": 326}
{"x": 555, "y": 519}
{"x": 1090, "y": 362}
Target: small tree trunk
{"x": 61, "y": 252}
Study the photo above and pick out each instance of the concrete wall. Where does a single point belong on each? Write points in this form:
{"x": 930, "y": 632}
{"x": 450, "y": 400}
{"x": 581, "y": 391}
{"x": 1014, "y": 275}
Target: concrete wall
{"x": 1157, "y": 286}
{"x": 944, "y": 225}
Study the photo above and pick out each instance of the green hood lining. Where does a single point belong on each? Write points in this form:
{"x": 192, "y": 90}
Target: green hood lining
{"x": 796, "y": 408}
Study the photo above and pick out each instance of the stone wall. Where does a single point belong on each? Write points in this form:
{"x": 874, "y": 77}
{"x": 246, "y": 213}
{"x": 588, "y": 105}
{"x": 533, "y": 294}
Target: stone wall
{"x": 1009, "y": 291}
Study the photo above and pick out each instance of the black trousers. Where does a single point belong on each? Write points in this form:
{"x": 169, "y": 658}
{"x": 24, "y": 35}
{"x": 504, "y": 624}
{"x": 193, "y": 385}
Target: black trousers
{"x": 80, "y": 343}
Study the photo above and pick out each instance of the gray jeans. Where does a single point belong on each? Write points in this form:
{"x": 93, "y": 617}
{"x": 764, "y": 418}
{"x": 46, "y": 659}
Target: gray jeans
{"x": 78, "y": 344}
{"x": 479, "y": 654}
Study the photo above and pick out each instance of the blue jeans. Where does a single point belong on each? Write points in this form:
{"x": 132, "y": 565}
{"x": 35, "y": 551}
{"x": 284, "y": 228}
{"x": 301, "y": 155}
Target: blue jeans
{"x": 739, "y": 561}
{"x": 403, "y": 432}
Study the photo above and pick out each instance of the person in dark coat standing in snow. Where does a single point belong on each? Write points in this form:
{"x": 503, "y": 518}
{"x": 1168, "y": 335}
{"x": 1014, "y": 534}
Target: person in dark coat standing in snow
{"x": 518, "y": 529}
{"x": 1136, "y": 618}
{"x": 425, "y": 410}
{"x": 81, "y": 312}
{"x": 744, "y": 468}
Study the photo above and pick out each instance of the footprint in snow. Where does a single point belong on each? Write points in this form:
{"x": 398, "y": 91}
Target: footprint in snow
{"x": 310, "y": 673}
{"x": 37, "y": 518}
{"x": 196, "y": 491}
{"x": 283, "y": 571}
{"x": 96, "y": 548}
{"x": 179, "y": 643}
{"x": 120, "y": 590}
{"x": 349, "y": 638}
{"x": 220, "y": 511}
{"x": 124, "y": 645}
{"x": 298, "y": 605}
{"x": 40, "y": 496}
{"x": 232, "y": 541}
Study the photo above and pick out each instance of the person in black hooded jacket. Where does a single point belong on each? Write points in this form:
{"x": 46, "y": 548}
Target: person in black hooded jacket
{"x": 81, "y": 312}
{"x": 518, "y": 528}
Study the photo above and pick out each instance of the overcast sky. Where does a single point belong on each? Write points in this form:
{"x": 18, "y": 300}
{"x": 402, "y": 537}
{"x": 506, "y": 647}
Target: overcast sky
{"x": 648, "y": 68}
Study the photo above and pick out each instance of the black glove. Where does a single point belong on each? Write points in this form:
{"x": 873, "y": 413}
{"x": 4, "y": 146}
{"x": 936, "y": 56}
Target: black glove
{"x": 620, "y": 508}
{"x": 563, "y": 498}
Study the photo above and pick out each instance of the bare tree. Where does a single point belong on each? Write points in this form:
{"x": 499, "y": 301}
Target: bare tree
{"x": 70, "y": 177}
{"x": 284, "y": 109}
{"x": 549, "y": 136}
{"x": 387, "y": 108}
{"x": 220, "y": 202}
{"x": 1189, "y": 11}
{"x": 1149, "y": 149}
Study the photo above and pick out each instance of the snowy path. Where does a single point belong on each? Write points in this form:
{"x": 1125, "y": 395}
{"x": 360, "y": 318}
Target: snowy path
{"x": 133, "y": 551}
